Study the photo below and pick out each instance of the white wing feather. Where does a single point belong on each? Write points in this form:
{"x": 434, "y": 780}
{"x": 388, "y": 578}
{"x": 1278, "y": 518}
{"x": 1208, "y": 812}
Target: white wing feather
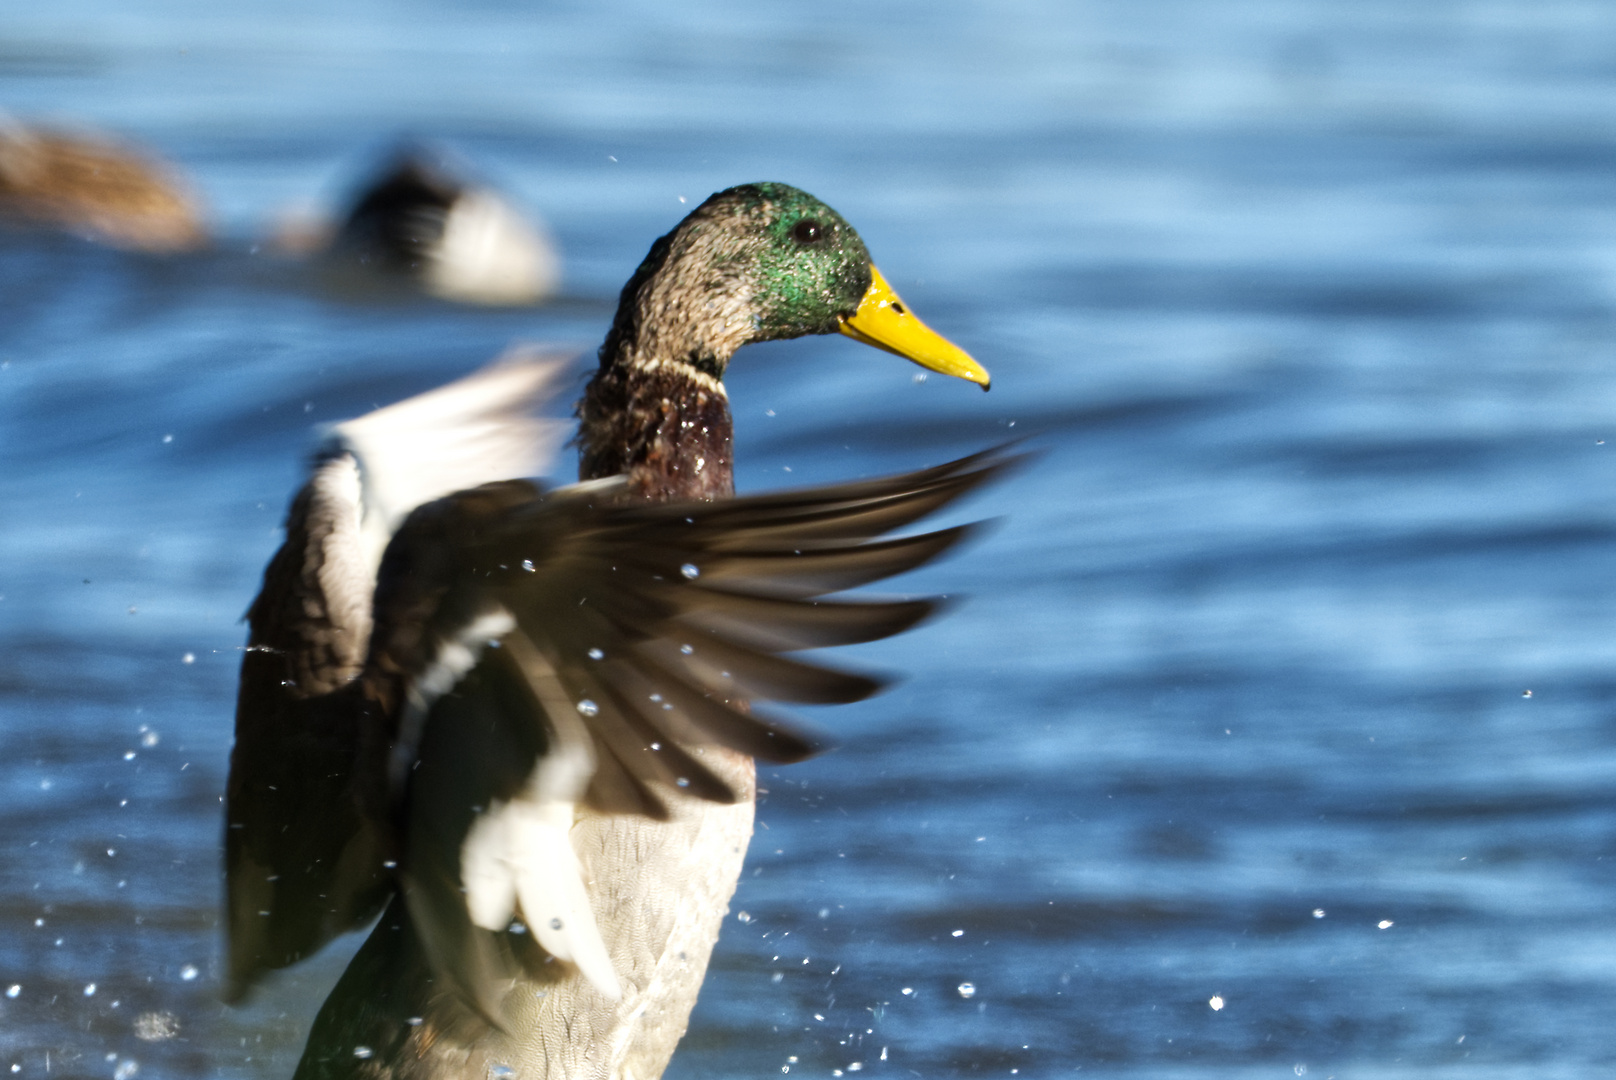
{"x": 522, "y": 850}
{"x": 472, "y": 431}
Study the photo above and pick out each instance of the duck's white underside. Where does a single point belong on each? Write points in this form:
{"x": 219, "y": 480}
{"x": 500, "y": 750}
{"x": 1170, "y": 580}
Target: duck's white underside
{"x": 659, "y": 892}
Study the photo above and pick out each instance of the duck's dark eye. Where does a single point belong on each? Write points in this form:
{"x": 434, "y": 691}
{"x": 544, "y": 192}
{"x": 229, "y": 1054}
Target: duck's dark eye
{"x": 806, "y": 231}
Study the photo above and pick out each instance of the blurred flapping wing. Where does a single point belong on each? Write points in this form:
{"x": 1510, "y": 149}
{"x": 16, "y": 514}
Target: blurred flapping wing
{"x": 304, "y": 844}
{"x": 540, "y": 650}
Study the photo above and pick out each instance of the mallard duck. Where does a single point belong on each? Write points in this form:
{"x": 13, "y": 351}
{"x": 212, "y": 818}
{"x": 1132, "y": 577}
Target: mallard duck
{"x": 525, "y": 729}
{"x": 97, "y": 188}
{"x": 419, "y": 222}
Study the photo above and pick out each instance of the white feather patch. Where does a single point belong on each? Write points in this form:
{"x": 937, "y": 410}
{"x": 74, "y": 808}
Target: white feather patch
{"x": 520, "y": 852}
{"x": 448, "y": 666}
{"x": 347, "y": 581}
{"x": 472, "y": 431}
{"x": 490, "y": 889}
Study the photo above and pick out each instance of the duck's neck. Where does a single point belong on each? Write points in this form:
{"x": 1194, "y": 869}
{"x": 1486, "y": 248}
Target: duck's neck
{"x": 656, "y": 411}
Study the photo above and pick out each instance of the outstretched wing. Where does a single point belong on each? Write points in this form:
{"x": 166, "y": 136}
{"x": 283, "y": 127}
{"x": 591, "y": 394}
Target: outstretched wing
{"x": 304, "y": 843}
{"x": 541, "y": 650}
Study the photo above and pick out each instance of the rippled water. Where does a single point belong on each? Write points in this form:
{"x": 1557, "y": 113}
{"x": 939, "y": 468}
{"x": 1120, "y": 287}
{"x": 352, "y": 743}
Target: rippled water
{"x": 1285, "y": 682}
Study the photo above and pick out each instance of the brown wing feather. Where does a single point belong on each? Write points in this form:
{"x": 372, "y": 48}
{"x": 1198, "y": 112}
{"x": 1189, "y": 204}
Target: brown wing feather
{"x": 302, "y": 855}
{"x": 614, "y": 594}
{"x": 656, "y": 661}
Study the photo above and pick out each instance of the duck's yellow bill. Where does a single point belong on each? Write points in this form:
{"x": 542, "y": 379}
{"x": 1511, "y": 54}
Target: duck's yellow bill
{"x": 885, "y": 321}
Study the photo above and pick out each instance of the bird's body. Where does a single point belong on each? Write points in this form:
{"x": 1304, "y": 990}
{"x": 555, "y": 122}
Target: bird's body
{"x": 660, "y": 890}
{"x": 552, "y": 720}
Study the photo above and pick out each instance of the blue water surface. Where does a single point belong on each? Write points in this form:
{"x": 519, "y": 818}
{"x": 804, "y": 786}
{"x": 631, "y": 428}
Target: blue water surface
{"x": 1276, "y": 733}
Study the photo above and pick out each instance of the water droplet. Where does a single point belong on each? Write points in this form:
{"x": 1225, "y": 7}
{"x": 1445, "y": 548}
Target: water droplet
{"x": 1318, "y": 913}
{"x": 656, "y": 697}
{"x": 1526, "y": 693}
{"x": 129, "y": 755}
{"x": 690, "y": 570}
{"x": 168, "y": 438}
{"x": 13, "y": 990}
{"x": 907, "y": 991}
{"x": 361, "y": 1052}
{"x": 188, "y": 658}
{"x": 156, "y": 1026}
{"x": 687, "y": 649}
{"x": 1216, "y": 1001}
{"x": 967, "y": 990}
{"x": 111, "y": 851}
{"x": 682, "y": 782}
{"x": 555, "y": 924}
{"x": 415, "y": 1021}
{"x": 89, "y": 989}
{"x": 744, "y": 916}
{"x": 957, "y": 933}
{"x": 778, "y": 976}
{"x": 1385, "y": 924}
{"x": 126, "y": 1068}
{"x": 824, "y": 913}
{"x": 149, "y": 739}
{"x": 596, "y": 654}
{"x": 188, "y": 972}
{"x": 856, "y": 1066}
{"x": 527, "y": 564}
{"x": 500, "y": 1072}
{"x": 588, "y": 708}
{"x": 920, "y": 377}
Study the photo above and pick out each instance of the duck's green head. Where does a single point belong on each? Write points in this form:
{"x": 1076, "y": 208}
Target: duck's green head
{"x": 764, "y": 262}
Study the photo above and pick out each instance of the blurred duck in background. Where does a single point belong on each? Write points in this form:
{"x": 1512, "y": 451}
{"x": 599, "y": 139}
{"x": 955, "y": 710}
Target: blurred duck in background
{"x": 96, "y": 187}
{"x": 419, "y": 222}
